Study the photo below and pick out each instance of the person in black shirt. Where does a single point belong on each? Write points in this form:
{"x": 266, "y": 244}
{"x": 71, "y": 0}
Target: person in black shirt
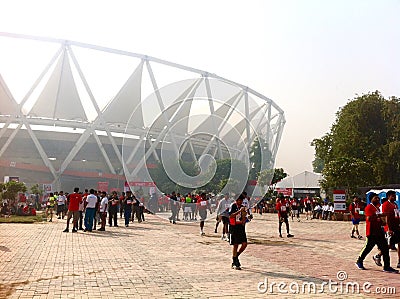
{"x": 113, "y": 209}
{"x": 127, "y": 206}
{"x": 174, "y": 207}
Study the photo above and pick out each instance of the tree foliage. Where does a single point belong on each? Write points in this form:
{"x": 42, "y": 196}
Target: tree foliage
{"x": 35, "y": 189}
{"x": 223, "y": 176}
{"x": 363, "y": 146}
{"x": 11, "y": 189}
{"x": 270, "y": 178}
{"x": 260, "y": 158}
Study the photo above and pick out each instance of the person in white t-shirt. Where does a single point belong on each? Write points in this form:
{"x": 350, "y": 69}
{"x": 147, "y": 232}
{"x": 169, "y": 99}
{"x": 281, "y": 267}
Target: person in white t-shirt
{"x": 246, "y": 204}
{"x": 223, "y": 215}
{"x": 61, "y": 201}
{"x": 91, "y": 201}
{"x": 103, "y": 210}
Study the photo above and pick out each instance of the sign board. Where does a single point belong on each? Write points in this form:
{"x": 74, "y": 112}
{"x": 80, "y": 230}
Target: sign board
{"x": 339, "y": 200}
{"x": 47, "y": 188}
{"x": 285, "y": 191}
{"x": 11, "y": 179}
{"x": 339, "y": 206}
{"x": 102, "y": 186}
{"x": 139, "y": 184}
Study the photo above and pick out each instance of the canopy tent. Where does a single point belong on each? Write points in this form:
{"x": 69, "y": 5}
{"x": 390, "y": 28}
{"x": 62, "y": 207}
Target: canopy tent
{"x": 302, "y": 183}
{"x": 302, "y": 180}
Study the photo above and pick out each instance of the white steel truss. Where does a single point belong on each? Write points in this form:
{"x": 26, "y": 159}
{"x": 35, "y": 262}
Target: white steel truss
{"x": 58, "y": 93}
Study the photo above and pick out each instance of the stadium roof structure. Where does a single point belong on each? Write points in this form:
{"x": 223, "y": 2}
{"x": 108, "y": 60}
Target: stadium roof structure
{"x": 64, "y": 126}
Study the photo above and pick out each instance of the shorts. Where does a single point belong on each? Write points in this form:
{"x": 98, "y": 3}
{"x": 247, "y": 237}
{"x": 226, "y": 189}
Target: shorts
{"x": 308, "y": 209}
{"x": 203, "y": 214}
{"x": 60, "y": 208}
{"x": 355, "y": 221}
{"x": 225, "y": 220}
{"x": 238, "y": 234}
{"x": 74, "y": 215}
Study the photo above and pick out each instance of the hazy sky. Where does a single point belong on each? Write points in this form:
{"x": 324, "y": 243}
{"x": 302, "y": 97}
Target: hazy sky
{"x": 310, "y": 57}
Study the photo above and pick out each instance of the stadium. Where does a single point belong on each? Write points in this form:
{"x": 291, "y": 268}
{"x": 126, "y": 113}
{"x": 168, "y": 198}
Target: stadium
{"x": 76, "y": 114}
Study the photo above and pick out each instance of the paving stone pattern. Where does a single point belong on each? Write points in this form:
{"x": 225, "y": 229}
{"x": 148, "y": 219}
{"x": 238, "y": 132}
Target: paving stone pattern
{"x": 156, "y": 259}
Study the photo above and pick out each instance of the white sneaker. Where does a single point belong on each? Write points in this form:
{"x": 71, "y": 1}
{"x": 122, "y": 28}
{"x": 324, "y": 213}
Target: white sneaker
{"x": 223, "y": 237}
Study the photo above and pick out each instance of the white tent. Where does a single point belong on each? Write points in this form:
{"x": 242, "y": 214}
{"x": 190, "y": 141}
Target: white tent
{"x": 302, "y": 180}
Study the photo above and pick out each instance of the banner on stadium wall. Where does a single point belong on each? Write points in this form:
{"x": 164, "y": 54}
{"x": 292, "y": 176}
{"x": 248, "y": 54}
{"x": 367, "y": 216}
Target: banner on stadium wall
{"x": 139, "y": 184}
{"x": 339, "y": 200}
{"x": 48, "y": 188}
{"x": 11, "y": 179}
{"x": 102, "y": 186}
{"x": 127, "y": 185}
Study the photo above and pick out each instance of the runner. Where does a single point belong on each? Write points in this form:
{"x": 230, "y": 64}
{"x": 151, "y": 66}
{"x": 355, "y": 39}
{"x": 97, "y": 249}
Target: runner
{"x": 295, "y": 209}
{"x": 223, "y": 215}
{"x": 237, "y": 220}
{"x": 308, "y": 206}
{"x": 51, "y": 202}
{"x": 282, "y": 216}
{"x": 354, "y": 210}
{"x": 201, "y": 207}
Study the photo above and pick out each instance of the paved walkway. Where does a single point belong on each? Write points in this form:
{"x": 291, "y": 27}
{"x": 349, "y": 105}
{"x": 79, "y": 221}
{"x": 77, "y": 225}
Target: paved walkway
{"x": 156, "y": 259}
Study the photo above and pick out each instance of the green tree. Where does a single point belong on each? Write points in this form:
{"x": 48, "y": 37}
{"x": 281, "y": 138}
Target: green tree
{"x": 270, "y": 178}
{"x": 35, "y": 189}
{"x": 223, "y": 174}
{"x": 11, "y": 189}
{"x": 260, "y": 158}
{"x": 363, "y": 146}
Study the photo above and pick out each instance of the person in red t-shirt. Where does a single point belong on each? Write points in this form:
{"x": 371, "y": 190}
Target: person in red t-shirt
{"x": 354, "y": 210}
{"x": 375, "y": 235}
{"x": 392, "y": 229}
{"x": 282, "y": 209}
{"x": 295, "y": 209}
{"x": 73, "y": 209}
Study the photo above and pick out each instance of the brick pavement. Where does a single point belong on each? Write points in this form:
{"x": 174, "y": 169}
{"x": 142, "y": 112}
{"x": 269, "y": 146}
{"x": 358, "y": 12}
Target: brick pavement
{"x": 156, "y": 259}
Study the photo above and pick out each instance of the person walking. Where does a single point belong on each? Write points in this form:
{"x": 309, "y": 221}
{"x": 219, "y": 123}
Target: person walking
{"x": 354, "y": 210}
{"x": 281, "y": 208}
{"x": 375, "y": 235}
{"x": 237, "y": 221}
{"x": 51, "y": 201}
{"x": 223, "y": 215}
{"x": 201, "y": 207}
{"x": 392, "y": 227}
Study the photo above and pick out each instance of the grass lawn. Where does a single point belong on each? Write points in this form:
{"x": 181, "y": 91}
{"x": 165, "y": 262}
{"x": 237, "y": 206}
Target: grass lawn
{"x": 21, "y": 219}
